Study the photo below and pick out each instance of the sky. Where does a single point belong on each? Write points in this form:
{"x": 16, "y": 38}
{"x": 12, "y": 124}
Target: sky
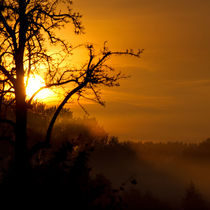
{"x": 167, "y": 97}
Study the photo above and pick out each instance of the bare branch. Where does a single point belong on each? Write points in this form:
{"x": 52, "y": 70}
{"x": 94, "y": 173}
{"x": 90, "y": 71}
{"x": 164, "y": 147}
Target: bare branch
{"x": 9, "y": 29}
{"x": 7, "y": 74}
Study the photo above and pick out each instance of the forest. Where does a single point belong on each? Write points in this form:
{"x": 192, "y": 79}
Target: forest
{"x": 88, "y": 168}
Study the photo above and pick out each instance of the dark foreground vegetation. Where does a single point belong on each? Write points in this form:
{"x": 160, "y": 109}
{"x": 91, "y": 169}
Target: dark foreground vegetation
{"x": 87, "y": 169}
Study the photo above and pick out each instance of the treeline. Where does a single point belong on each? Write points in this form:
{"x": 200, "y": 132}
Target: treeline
{"x": 174, "y": 173}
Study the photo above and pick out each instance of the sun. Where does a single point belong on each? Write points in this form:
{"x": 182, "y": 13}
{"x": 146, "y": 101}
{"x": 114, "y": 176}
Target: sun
{"x": 35, "y": 82}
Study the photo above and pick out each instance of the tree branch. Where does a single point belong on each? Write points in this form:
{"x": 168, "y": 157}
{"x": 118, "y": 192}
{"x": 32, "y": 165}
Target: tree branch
{"x": 7, "y": 74}
{"x": 9, "y": 30}
{"x": 46, "y": 143}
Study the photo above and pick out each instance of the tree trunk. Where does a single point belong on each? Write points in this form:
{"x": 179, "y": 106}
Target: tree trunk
{"x": 58, "y": 110}
{"x": 21, "y": 150}
{"x": 21, "y": 156}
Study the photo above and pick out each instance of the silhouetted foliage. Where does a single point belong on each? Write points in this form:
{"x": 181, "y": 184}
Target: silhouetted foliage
{"x": 99, "y": 172}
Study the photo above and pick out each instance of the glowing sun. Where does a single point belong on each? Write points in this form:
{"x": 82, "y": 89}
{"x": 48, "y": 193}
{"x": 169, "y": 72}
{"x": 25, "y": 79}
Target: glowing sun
{"x": 35, "y": 82}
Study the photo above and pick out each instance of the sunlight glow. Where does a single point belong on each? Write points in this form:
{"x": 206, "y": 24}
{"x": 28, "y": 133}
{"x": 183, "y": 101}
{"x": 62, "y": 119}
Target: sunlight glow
{"x": 35, "y": 82}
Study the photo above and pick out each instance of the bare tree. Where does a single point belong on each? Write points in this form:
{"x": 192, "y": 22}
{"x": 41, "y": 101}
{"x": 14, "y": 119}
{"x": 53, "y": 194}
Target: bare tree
{"x": 24, "y": 26}
{"x": 87, "y": 83}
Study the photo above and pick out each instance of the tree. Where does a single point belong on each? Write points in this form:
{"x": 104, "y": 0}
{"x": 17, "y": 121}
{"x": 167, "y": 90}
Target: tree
{"x": 26, "y": 26}
{"x": 88, "y": 81}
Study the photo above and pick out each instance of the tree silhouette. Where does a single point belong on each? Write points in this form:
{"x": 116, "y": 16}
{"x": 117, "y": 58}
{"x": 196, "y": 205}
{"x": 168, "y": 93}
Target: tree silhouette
{"x": 89, "y": 79}
{"x": 27, "y": 29}
{"x": 24, "y": 24}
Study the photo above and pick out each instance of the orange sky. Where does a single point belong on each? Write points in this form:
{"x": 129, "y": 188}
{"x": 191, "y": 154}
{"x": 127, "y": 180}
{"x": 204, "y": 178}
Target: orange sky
{"x": 168, "y": 95}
